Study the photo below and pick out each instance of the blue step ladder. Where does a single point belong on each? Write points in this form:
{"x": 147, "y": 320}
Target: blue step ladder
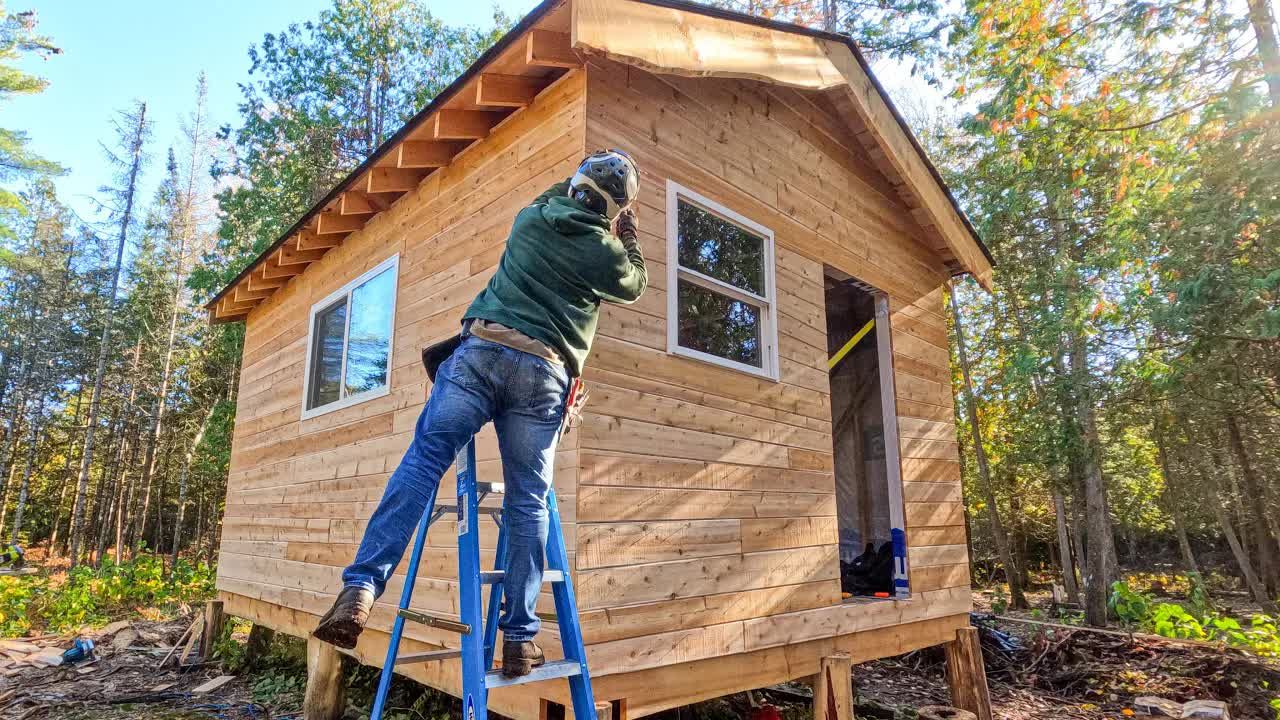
{"x": 479, "y": 638}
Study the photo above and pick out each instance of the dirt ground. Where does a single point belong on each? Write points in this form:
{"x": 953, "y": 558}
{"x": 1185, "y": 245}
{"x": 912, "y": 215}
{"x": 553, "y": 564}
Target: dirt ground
{"x": 124, "y": 682}
{"x": 1034, "y": 673}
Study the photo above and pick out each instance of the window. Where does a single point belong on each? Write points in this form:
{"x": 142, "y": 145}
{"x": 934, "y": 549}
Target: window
{"x": 349, "y": 342}
{"x": 719, "y": 285}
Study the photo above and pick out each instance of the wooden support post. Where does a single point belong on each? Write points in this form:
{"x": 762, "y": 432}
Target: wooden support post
{"x": 604, "y": 711}
{"x": 833, "y": 688}
{"x": 213, "y": 621}
{"x": 259, "y": 644}
{"x": 326, "y": 692}
{"x": 966, "y": 676}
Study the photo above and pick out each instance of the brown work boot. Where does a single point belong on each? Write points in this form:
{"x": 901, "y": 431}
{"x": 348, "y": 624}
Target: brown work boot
{"x": 344, "y": 622}
{"x": 519, "y": 658}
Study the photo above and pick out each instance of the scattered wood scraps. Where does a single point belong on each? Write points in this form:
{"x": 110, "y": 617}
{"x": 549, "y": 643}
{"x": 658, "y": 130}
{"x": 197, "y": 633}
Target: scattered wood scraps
{"x": 213, "y": 684}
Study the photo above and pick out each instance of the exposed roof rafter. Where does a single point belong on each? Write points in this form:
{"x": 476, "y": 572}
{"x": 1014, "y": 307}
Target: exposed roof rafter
{"x": 670, "y": 36}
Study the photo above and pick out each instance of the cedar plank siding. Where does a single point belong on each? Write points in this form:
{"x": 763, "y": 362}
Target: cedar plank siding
{"x": 706, "y": 501}
{"x": 300, "y": 491}
{"x": 699, "y": 502}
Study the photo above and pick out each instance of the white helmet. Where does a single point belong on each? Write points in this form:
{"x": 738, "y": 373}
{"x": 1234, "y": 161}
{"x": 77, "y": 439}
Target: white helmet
{"x": 606, "y": 182}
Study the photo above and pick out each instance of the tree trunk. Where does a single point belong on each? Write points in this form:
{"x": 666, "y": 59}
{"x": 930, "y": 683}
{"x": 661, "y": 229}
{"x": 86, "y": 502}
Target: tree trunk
{"x": 104, "y": 344}
{"x": 180, "y": 231}
{"x": 1264, "y": 29}
{"x": 66, "y": 470}
{"x": 1113, "y": 561}
{"x": 1220, "y": 503}
{"x": 1064, "y": 548}
{"x": 123, "y": 496}
{"x": 1242, "y": 558}
{"x": 62, "y": 499}
{"x": 157, "y": 538}
{"x": 12, "y": 431}
{"x": 198, "y": 527}
{"x": 1265, "y": 530}
{"x": 1097, "y": 578}
{"x": 182, "y": 484}
{"x": 1018, "y": 534}
{"x": 1172, "y": 502}
{"x": 8, "y": 483}
{"x": 1016, "y": 595}
{"x": 33, "y": 443}
{"x": 97, "y": 517}
{"x": 1184, "y": 543}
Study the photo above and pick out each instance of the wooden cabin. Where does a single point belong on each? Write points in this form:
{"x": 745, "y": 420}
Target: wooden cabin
{"x": 768, "y": 426}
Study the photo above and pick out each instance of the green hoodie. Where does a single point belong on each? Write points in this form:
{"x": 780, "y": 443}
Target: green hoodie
{"x": 561, "y": 260}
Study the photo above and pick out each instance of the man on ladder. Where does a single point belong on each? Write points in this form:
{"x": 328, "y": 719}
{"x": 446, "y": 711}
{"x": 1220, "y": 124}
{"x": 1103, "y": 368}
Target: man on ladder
{"x": 516, "y": 363}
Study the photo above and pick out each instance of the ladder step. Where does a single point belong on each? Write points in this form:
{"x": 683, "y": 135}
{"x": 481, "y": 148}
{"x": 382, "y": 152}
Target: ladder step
{"x": 428, "y": 656}
{"x": 556, "y": 669}
{"x": 490, "y": 577}
{"x": 452, "y": 509}
{"x": 434, "y": 621}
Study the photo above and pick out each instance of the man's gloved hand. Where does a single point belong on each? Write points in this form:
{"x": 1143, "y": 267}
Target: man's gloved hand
{"x": 626, "y": 225}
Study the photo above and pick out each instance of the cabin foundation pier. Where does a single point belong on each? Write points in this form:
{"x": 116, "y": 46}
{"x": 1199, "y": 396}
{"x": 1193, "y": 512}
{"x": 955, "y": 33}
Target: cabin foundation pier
{"x": 326, "y": 692}
{"x": 833, "y": 688}
{"x": 966, "y": 675}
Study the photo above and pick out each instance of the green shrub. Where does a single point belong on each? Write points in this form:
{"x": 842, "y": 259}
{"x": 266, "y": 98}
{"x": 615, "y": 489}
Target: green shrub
{"x": 1129, "y": 606}
{"x": 87, "y": 596}
{"x": 1171, "y": 620}
{"x": 1198, "y": 595}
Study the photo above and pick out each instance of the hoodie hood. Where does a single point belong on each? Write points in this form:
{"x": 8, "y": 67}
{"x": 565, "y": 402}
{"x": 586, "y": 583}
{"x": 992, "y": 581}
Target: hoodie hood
{"x": 569, "y": 217}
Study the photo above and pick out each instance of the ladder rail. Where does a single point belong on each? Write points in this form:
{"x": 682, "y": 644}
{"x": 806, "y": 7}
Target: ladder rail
{"x": 406, "y": 596}
{"x": 496, "y": 591}
{"x": 475, "y": 695}
{"x": 479, "y": 641}
{"x": 567, "y": 610}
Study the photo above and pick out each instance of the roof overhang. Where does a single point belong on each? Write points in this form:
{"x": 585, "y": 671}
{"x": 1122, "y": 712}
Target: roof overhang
{"x": 503, "y": 81}
{"x": 674, "y": 37}
{"x": 663, "y": 36}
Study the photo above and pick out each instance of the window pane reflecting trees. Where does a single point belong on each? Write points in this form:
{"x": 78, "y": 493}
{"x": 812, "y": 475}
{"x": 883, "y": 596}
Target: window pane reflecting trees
{"x": 719, "y": 325}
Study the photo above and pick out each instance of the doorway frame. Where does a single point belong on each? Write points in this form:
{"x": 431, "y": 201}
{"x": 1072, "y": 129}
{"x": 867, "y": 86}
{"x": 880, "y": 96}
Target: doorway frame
{"x": 892, "y": 442}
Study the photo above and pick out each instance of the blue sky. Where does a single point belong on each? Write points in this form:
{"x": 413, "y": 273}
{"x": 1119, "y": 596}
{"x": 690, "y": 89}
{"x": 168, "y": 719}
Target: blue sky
{"x": 114, "y": 51}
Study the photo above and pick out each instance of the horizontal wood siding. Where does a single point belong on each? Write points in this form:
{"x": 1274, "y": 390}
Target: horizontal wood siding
{"x": 699, "y": 501}
{"x": 300, "y": 491}
{"x": 706, "y": 504}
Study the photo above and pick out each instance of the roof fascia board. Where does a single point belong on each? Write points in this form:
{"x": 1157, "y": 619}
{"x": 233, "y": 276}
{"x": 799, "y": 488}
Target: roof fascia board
{"x": 909, "y": 159}
{"x": 666, "y": 39}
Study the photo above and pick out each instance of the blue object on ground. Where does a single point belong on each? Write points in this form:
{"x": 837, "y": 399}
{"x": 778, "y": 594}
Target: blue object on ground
{"x": 79, "y": 651}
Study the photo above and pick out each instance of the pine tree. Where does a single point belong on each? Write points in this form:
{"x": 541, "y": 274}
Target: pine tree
{"x": 18, "y": 38}
{"x": 133, "y": 130}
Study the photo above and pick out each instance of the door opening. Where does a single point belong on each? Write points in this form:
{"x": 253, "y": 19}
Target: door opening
{"x": 864, "y": 435}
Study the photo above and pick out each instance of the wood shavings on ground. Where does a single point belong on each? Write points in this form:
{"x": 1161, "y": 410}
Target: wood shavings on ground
{"x": 123, "y": 682}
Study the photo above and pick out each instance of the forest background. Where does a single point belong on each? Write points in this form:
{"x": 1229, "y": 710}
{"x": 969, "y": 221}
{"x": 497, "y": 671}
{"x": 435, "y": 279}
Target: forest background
{"x": 1118, "y": 394}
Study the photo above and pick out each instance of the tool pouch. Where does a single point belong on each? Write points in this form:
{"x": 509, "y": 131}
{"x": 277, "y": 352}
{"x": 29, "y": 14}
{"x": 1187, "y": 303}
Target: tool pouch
{"x": 433, "y": 356}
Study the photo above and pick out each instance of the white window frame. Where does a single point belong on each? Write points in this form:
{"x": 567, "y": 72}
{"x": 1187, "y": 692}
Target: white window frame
{"x": 392, "y": 263}
{"x": 767, "y": 303}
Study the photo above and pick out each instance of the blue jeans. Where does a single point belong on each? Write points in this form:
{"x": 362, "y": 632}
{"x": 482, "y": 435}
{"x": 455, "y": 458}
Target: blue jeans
{"x": 524, "y": 397}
